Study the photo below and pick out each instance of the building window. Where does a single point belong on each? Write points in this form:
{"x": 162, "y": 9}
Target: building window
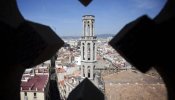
{"x": 88, "y": 29}
{"x": 25, "y": 93}
{"x": 34, "y": 94}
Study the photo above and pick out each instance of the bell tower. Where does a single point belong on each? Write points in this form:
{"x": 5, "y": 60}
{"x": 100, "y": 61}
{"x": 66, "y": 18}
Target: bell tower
{"x": 88, "y": 47}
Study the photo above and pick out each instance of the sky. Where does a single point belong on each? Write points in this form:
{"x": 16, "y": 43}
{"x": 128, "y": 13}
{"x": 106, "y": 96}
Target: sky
{"x": 65, "y": 16}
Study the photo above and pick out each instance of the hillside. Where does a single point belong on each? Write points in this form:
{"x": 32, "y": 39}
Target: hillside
{"x": 98, "y": 36}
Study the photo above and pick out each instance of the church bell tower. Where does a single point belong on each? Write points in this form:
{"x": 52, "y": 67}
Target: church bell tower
{"x": 88, "y": 47}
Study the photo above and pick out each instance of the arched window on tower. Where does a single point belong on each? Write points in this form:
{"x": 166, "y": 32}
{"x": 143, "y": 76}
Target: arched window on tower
{"x": 84, "y": 27}
{"x": 94, "y": 51}
{"x": 83, "y": 71}
{"x": 88, "y": 28}
{"x": 83, "y": 52}
{"x": 93, "y": 73}
{"x": 92, "y": 29}
{"x": 89, "y": 72}
{"x": 89, "y": 53}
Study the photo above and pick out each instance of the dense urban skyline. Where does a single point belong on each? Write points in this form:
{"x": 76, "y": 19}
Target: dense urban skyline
{"x": 64, "y": 16}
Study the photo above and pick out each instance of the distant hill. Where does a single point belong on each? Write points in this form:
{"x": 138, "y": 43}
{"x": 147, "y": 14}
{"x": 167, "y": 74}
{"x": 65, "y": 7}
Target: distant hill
{"x": 70, "y": 37}
{"x": 98, "y": 36}
{"x": 105, "y": 35}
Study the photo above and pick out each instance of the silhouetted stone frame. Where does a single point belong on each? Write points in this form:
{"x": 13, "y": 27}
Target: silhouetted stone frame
{"x": 166, "y": 70}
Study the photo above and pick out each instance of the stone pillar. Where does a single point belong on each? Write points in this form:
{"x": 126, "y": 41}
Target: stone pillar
{"x": 82, "y": 70}
{"x": 83, "y": 27}
{"x": 86, "y": 71}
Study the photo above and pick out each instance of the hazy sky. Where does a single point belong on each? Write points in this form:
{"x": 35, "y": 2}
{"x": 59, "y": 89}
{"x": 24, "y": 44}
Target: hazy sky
{"x": 65, "y": 16}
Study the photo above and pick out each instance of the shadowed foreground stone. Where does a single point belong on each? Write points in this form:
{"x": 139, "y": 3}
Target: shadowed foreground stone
{"x": 133, "y": 44}
{"x": 23, "y": 44}
{"x": 86, "y": 90}
{"x": 36, "y": 43}
{"x": 9, "y": 13}
{"x": 30, "y": 44}
{"x": 85, "y": 2}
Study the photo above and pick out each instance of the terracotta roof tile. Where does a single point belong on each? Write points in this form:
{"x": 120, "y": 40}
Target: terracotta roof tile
{"x": 37, "y": 82}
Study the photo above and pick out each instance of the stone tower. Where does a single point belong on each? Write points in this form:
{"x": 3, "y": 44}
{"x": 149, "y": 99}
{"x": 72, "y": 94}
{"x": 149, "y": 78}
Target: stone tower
{"x": 88, "y": 47}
